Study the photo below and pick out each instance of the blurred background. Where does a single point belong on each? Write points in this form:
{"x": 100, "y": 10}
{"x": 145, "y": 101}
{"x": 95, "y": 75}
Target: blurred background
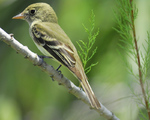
{"x": 27, "y": 93}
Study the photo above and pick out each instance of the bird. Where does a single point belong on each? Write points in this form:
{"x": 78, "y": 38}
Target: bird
{"x": 52, "y": 41}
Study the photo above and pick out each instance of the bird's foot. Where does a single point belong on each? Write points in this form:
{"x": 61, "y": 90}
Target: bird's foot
{"x": 42, "y": 56}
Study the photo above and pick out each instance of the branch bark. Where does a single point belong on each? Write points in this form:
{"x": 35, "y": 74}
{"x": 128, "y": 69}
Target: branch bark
{"x": 62, "y": 80}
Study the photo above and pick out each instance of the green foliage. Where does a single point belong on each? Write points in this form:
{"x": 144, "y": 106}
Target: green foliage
{"x": 146, "y": 58}
{"x": 87, "y": 47}
{"x": 126, "y": 29}
{"x": 125, "y": 20}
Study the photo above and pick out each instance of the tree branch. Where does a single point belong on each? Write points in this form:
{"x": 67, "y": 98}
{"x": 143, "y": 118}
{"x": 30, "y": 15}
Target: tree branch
{"x": 138, "y": 60}
{"x": 32, "y": 57}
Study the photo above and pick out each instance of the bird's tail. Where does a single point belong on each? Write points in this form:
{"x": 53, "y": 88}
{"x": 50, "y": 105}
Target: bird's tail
{"x": 88, "y": 90}
{"x": 80, "y": 74}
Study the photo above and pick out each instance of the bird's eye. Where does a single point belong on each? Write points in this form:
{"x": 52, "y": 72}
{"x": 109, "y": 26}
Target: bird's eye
{"x": 32, "y": 11}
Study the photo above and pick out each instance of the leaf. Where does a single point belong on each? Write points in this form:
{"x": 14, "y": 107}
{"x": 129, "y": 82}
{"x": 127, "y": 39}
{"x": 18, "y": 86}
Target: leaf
{"x": 86, "y": 52}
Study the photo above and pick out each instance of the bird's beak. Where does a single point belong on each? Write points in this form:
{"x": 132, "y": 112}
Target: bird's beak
{"x": 19, "y": 16}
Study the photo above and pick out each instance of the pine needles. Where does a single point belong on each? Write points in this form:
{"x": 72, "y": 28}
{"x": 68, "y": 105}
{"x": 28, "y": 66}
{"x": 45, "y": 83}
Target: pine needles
{"x": 87, "y": 47}
{"x": 126, "y": 28}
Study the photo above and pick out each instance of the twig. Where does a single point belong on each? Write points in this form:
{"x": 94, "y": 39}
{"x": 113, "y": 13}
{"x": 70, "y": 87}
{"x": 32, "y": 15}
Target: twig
{"x": 138, "y": 59}
{"x": 76, "y": 91}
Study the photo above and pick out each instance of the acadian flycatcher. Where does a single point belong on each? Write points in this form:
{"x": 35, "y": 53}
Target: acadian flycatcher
{"x": 52, "y": 41}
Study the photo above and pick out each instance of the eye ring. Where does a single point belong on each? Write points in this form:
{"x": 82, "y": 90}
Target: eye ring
{"x": 32, "y": 11}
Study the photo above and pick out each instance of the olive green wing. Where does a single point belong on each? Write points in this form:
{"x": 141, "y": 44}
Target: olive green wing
{"x": 51, "y": 37}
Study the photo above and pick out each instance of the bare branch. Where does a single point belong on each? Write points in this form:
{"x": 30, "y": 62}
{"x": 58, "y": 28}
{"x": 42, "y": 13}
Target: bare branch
{"x": 76, "y": 91}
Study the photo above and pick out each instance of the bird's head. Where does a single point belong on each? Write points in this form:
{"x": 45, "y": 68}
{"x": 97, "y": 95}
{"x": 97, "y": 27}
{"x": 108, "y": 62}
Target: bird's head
{"x": 38, "y": 12}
